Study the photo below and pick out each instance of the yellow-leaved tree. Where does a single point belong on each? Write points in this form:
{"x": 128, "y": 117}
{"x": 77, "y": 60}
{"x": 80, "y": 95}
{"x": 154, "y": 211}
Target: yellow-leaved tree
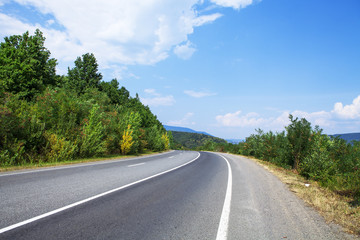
{"x": 127, "y": 141}
{"x": 165, "y": 141}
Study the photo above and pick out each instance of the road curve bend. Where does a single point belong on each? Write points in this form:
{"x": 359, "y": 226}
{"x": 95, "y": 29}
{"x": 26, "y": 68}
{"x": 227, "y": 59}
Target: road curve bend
{"x": 175, "y": 195}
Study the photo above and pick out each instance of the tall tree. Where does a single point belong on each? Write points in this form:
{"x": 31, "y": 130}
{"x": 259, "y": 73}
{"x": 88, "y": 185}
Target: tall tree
{"x": 25, "y": 65}
{"x": 298, "y": 134}
{"x": 117, "y": 95}
{"x": 84, "y": 75}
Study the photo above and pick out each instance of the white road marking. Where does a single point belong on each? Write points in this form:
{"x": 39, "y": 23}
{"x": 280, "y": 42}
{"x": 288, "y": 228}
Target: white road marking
{"x": 222, "y": 232}
{"x": 76, "y": 165}
{"x": 134, "y": 165}
{"x": 171, "y": 157}
{"x": 89, "y": 199}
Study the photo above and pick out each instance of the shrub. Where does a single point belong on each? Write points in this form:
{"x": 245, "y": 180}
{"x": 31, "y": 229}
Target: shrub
{"x": 59, "y": 149}
{"x": 298, "y": 134}
{"x": 165, "y": 141}
{"x": 127, "y": 141}
{"x": 92, "y": 135}
{"x": 317, "y": 164}
{"x": 154, "y": 138}
{"x": 12, "y": 154}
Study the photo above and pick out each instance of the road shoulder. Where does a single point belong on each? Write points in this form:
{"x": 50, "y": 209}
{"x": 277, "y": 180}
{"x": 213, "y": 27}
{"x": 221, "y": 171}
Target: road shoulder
{"x": 269, "y": 208}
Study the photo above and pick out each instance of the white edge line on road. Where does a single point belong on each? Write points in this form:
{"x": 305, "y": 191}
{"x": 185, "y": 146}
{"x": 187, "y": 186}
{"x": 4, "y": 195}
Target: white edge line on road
{"x": 224, "y": 220}
{"x": 134, "y": 165}
{"x": 89, "y": 199}
{"x": 76, "y": 165}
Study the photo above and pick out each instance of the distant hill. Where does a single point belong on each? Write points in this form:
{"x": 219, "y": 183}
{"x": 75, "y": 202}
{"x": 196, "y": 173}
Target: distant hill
{"x": 189, "y": 130}
{"x": 193, "y": 140}
{"x": 234, "y": 141}
{"x": 183, "y": 129}
{"x": 348, "y": 136}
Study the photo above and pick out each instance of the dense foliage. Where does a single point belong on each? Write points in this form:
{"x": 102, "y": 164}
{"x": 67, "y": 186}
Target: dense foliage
{"x": 186, "y": 140}
{"x": 332, "y": 161}
{"x": 46, "y": 118}
{"x": 25, "y": 65}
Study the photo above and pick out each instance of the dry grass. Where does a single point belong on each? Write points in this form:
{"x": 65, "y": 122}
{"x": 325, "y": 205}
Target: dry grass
{"x": 333, "y": 207}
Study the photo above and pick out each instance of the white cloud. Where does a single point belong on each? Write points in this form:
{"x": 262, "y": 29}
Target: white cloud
{"x": 184, "y": 121}
{"x": 155, "y": 99}
{"x": 236, "y": 120}
{"x": 322, "y": 118}
{"x": 50, "y": 22}
{"x": 198, "y": 94}
{"x": 184, "y": 51}
{"x": 343, "y": 118}
{"x": 159, "y": 101}
{"x": 13, "y": 26}
{"x": 351, "y": 111}
{"x": 116, "y": 31}
{"x": 206, "y": 19}
{"x": 120, "y": 72}
{"x": 151, "y": 91}
{"x": 2, "y": 2}
{"x": 237, "y": 4}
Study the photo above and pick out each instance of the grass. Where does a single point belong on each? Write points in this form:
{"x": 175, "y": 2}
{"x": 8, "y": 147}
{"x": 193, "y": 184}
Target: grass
{"x": 335, "y": 208}
{"x": 68, "y": 162}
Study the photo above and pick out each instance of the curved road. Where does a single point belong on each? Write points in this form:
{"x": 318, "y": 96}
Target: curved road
{"x": 174, "y": 195}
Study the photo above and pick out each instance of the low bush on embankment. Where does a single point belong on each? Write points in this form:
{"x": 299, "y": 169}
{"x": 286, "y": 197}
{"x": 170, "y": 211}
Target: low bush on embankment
{"x": 332, "y": 162}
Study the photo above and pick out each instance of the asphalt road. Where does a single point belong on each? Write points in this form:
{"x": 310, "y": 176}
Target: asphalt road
{"x": 176, "y": 195}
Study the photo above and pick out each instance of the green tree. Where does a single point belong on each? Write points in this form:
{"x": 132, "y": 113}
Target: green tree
{"x": 92, "y": 135}
{"x": 317, "y": 164}
{"x": 25, "y": 65}
{"x": 117, "y": 95}
{"x": 84, "y": 75}
{"x": 298, "y": 134}
{"x": 171, "y": 140}
{"x": 154, "y": 138}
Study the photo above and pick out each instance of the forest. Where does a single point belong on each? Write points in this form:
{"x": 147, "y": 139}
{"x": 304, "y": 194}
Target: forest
{"x": 45, "y": 117}
{"x": 188, "y": 140}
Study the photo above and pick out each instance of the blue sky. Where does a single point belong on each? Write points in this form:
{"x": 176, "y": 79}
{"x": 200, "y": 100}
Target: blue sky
{"x": 225, "y": 67}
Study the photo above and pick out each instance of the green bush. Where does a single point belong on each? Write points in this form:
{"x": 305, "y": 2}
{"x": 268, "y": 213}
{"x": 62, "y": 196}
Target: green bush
{"x": 330, "y": 161}
{"x": 12, "y": 154}
{"x": 59, "y": 149}
{"x": 153, "y": 137}
{"x": 92, "y": 135}
{"x": 317, "y": 164}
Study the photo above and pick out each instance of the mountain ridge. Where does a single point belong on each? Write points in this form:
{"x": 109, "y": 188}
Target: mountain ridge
{"x": 348, "y": 136}
{"x": 184, "y": 129}
{"x": 189, "y": 130}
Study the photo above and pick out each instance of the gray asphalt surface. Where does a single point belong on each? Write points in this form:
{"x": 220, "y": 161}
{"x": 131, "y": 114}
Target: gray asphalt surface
{"x": 183, "y": 204}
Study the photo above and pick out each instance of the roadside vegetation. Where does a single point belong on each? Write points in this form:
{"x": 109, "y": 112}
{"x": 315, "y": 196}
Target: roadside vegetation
{"x": 186, "y": 140}
{"x": 331, "y": 161}
{"x": 47, "y": 118}
{"x": 335, "y": 208}
{"x": 302, "y": 154}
